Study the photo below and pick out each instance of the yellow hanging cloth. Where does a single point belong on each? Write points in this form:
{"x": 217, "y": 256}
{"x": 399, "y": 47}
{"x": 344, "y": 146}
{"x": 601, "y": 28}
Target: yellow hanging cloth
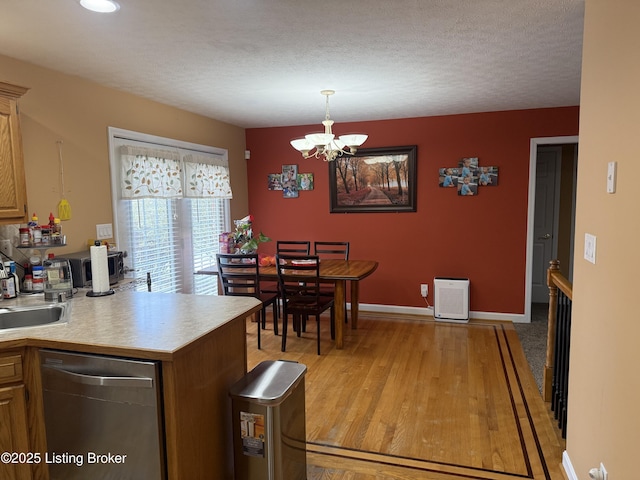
{"x": 64, "y": 209}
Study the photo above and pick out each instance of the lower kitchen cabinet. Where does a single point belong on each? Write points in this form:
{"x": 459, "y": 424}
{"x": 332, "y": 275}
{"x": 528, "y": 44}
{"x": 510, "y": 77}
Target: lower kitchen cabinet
{"x": 14, "y": 430}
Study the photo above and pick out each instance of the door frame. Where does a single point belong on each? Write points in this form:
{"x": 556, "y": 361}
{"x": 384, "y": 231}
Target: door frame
{"x": 531, "y": 203}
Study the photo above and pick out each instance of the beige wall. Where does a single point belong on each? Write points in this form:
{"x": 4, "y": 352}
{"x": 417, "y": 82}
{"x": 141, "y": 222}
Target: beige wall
{"x": 63, "y": 107}
{"x": 604, "y": 420}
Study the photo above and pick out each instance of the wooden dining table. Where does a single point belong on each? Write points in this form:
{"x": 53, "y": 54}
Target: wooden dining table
{"x": 337, "y": 271}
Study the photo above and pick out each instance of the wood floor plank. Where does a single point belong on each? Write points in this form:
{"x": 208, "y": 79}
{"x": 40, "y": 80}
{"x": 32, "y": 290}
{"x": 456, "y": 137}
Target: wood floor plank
{"x": 412, "y": 398}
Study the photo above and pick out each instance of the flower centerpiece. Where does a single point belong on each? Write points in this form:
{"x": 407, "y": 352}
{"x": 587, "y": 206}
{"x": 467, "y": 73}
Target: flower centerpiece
{"x": 245, "y": 241}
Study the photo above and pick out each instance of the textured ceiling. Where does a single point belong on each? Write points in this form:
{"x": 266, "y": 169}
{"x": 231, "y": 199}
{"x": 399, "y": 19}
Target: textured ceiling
{"x": 262, "y": 63}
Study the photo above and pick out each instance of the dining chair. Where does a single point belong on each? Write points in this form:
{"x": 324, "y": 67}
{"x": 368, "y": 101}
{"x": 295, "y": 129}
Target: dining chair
{"x": 239, "y": 276}
{"x": 299, "y": 279}
{"x": 338, "y": 250}
{"x": 293, "y": 247}
{"x": 331, "y": 250}
{"x": 287, "y": 247}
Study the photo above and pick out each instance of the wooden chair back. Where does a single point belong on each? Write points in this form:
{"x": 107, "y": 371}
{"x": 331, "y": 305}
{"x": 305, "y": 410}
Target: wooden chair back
{"x": 239, "y": 274}
{"x": 331, "y": 250}
{"x": 299, "y": 280}
{"x": 298, "y": 277}
{"x": 293, "y": 247}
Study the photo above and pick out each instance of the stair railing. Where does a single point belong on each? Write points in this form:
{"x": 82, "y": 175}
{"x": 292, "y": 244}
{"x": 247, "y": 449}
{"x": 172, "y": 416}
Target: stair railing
{"x": 556, "y": 370}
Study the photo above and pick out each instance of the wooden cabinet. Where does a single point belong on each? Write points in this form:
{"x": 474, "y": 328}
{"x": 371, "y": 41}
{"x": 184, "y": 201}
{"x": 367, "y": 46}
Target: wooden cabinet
{"x": 13, "y": 188}
{"x": 14, "y": 429}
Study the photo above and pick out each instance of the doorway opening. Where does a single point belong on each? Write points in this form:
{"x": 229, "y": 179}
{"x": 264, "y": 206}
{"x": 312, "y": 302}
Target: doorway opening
{"x": 551, "y": 213}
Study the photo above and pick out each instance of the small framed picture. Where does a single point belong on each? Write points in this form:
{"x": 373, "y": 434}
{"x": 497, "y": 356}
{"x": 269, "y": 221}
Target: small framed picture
{"x": 467, "y": 186}
{"x": 488, "y": 176}
{"x": 289, "y": 181}
{"x": 274, "y": 181}
{"x": 468, "y": 177}
{"x": 305, "y": 181}
{"x": 468, "y": 167}
{"x": 448, "y": 177}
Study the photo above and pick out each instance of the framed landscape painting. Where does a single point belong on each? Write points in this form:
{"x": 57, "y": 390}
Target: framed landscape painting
{"x": 374, "y": 180}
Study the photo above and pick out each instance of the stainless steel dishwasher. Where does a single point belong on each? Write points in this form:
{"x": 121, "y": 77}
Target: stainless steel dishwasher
{"x": 103, "y": 417}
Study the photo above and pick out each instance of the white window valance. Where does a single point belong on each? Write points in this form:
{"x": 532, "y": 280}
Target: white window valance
{"x": 159, "y": 173}
{"x": 206, "y": 176}
{"x": 154, "y": 174}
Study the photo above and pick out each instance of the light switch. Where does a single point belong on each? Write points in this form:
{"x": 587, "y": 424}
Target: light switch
{"x": 611, "y": 177}
{"x": 104, "y": 231}
{"x": 590, "y": 248}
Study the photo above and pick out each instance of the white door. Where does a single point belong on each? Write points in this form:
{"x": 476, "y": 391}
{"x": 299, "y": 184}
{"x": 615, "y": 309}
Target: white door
{"x": 545, "y": 219}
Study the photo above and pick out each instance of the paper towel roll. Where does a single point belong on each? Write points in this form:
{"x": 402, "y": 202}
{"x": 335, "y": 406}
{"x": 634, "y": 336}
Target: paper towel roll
{"x": 99, "y": 269}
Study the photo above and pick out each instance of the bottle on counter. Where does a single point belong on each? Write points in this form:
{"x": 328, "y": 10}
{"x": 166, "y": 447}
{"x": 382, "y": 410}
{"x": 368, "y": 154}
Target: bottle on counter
{"x": 37, "y": 272}
{"x": 36, "y": 231}
{"x": 38, "y": 278}
{"x": 46, "y": 235}
{"x": 10, "y": 284}
{"x": 56, "y": 232}
{"x": 25, "y": 236}
{"x": 14, "y": 274}
{"x": 27, "y": 284}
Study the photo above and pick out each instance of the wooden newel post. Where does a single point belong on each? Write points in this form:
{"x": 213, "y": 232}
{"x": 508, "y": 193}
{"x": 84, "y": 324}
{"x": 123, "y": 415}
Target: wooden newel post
{"x": 547, "y": 381}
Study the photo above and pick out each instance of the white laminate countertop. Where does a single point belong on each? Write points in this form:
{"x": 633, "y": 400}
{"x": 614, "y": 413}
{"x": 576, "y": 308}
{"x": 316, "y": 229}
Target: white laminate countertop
{"x": 156, "y": 323}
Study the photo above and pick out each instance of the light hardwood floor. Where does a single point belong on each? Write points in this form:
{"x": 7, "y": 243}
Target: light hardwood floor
{"x": 410, "y": 398}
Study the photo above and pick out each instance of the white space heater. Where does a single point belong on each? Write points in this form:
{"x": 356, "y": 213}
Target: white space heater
{"x": 451, "y": 299}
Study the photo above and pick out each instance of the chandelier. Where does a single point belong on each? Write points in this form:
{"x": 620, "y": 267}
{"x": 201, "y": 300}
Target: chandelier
{"x": 325, "y": 144}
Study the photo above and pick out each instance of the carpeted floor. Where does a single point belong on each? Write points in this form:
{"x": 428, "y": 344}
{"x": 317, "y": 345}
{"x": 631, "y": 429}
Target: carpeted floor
{"x": 533, "y": 337}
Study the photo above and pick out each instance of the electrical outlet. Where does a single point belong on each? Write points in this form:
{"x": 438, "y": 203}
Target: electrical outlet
{"x": 104, "y": 231}
{"x": 5, "y": 247}
{"x": 424, "y": 289}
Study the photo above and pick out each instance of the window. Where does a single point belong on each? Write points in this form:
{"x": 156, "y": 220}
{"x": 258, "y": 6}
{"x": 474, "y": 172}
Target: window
{"x": 171, "y": 201}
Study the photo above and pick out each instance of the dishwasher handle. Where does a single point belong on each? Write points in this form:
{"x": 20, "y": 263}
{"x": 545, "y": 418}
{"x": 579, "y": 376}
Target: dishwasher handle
{"x": 102, "y": 381}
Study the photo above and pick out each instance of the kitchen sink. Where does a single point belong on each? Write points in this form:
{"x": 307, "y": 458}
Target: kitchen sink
{"x": 32, "y": 316}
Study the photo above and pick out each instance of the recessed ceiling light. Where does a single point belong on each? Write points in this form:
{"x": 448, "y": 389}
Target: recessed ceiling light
{"x": 100, "y": 6}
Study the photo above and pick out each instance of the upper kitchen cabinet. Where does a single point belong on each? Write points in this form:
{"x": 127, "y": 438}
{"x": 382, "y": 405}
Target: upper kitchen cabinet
{"x": 13, "y": 188}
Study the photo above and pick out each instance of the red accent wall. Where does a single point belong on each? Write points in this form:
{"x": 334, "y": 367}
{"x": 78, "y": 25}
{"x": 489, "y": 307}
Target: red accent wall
{"x": 481, "y": 237}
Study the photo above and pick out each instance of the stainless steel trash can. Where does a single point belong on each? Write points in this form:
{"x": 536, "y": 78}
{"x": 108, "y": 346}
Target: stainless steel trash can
{"x": 269, "y": 433}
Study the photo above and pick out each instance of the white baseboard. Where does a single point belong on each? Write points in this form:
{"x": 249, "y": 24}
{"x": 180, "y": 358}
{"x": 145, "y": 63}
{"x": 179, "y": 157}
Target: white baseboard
{"x": 568, "y": 468}
{"x": 428, "y": 312}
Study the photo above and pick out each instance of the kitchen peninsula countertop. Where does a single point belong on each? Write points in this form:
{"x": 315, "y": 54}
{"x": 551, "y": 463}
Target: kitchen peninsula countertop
{"x": 144, "y": 324}
{"x": 199, "y": 340}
